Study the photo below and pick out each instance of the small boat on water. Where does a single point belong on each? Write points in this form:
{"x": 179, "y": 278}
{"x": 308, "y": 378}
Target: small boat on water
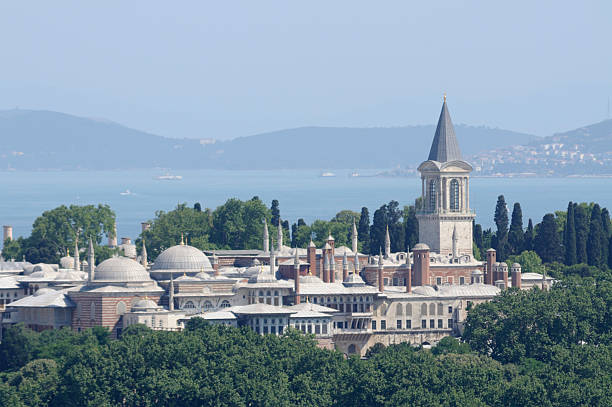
{"x": 328, "y": 174}
{"x": 169, "y": 177}
{"x": 126, "y": 192}
{"x": 354, "y": 174}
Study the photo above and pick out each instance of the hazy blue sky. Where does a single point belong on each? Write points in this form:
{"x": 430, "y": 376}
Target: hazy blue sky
{"x": 225, "y": 69}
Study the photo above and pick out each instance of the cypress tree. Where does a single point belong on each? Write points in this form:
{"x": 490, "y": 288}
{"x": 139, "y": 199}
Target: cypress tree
{"x": 610, "y": 251}
{"x": 515, "y": 235}
{"x": 501, "y": 221}
{"x": 547, "y": 243}
{"x": 605, "y": 227}
{"x": 412, "y": 226}
{"x": 378, "y": 229}
{"x": 569, "y": 236}
{"x": 363, "y": 230}
{"x": 478, "y": 237}
{"x": 594, "y": 242}
{"x": 529, "y": 236}
{"x": 294, "y": 234}
{"x": 581, "y": 225}
{"x": 274, "y": 209}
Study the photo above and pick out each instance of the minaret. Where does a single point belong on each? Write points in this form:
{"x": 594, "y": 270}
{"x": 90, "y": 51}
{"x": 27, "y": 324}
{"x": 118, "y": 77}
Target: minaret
{"x": 143, "y": 255}
{"x": 356, "y": 264}
{"x": 296, "y": 281}
{"x": 455, "y": 243}
{"x": 266, "y": 238}
{"x": 354, "y": 238}
{"x": 91, "y": 260}
{"x": 387, "y": 244}
{"x": 279, "y": 240}
{"x": 344, "y": 267}
{"x": 77, "y": 260}
{"x": 272, "y": 263}
{"x": 381, "y": 281}
{"x": 332, "y": 268}
{"x": 171, "y": 293}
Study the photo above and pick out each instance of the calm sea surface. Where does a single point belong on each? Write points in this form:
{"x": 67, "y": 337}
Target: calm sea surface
{"x": 302, "y": 193}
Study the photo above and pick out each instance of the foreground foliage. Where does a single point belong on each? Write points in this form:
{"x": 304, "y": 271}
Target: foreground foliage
{"x": 526, "y": 348}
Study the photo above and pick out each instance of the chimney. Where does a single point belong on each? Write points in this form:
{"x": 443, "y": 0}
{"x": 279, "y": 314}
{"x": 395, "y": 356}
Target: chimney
{"x": 503, "y": 273}
{"x": 332, "y": 267}
{"x": 325, "y": 267}
{"x": 126, "y": 240}
{"x": 344, "y": 267}
{"x": 489, "y": 276}
{"x": 421, "y": 264}
{"x": 408, "y": 278}
{"x": 112, "y": 241}
{"x": 8, "y": 233}
{"x": 516, "y": 275}
{"x": 144, "y": 226}
{"x": 381, "y": 281}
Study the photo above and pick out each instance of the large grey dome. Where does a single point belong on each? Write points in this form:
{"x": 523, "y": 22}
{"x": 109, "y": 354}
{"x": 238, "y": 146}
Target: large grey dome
{"x": 182, "y": 257}
{"x": 120, "y": 269}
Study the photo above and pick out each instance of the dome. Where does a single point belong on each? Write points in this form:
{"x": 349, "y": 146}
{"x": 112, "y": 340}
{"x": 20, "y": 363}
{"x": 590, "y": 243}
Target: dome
{"x": 120, "y": 269}
{"x": 516, "y": 265}
{"x": 353, "y": 279}
{"x": 420, "y": 246}
{"x": 424, "y": 290}
{"x": 263, "y": 277}
{"x": 67, "y": 262}
{"x": 144, "y": 304}
{"x": 43, "y": 291}
{"x": 182, "y": 257}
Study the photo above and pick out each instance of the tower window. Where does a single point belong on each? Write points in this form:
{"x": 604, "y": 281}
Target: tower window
{"x": 432, "y": 194}
{"x": 454, "y": 195}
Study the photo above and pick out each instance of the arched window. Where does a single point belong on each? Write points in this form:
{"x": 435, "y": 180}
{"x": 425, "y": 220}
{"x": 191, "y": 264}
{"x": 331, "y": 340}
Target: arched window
{"x": 408, "y": 309}
{"x": 424, "y": 309}
{"x": 454, "y": 195}
{"x": 440, "y": 309}
{"x": 432, "y": 194}
{"x": 400, "y": 309}
{"x": 121, "y": 308}
{"x": 208, "y": 306}
{"x": 225, "y": 304}
{"x": 432, "y": 309}
{"x": 189, "y": 305}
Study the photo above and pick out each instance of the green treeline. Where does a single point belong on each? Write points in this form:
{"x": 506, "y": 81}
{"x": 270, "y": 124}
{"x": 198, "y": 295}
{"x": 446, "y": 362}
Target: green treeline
{"x": 524, "y": 348}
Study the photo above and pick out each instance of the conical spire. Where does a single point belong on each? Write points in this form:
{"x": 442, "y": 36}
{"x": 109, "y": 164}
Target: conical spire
{"x": 143, "y": 256}
{"x": 387, "y": 244}
{"x": 445, "y": 146}
{"x": 380, "y": 258}
{"x": 266, "y": 238}
{"x": 344, "y": 261}
{"x": 296, "y": 259}
{"x": 272, "y": 263}
{"x": 356, "y": 264}
{"x": 279, "y": 240}
{"x": 354, "y": 237}
{"x": 91, "y": 259}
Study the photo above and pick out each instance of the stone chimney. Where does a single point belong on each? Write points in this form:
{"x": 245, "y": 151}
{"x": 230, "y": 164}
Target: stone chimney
{"x": 503, "y": 273}
{"x": 489, "y": 276}
{"x": 332, "y": 267}
{"x": 296, "y": 271}
{"x": 421, "y": 264}
{"x": 8, "y": 233}
{"x": 144, "y": 226}
{"x": 312, "y": 257}
{"x": 126, "y": 240}
{"x": 408, "y": 278}
{"x": 516, "y": 275}
{"x": 381, "y": 280}
{"x": 112, "y": 241}
{"x": 325, "y": 267}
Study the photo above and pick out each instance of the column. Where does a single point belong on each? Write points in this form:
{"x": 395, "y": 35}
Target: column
{"x": 467, "y": 194}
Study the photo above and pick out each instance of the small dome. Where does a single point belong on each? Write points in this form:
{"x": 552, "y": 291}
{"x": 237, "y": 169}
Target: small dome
{"x": 353, "y": 279}
{"x": 182, "y": 257}
{"x": 43, "y": 291}
{"x": 310, "y": 279}
{"x": 424, "y": 290}
{"x": 421, "y": 246}
{"x": 516, "y": 265}
{"x": 120, "y": 269}
{"x": 263, "y": 277}
{"x": 491, "y": 250}
{"x": 67, "y": 262}
{"x": 503, "y": 264}
{"x": 144, "y": 304}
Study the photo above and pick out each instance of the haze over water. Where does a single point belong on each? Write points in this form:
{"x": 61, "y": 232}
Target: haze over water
{"x": 302, "y": 193}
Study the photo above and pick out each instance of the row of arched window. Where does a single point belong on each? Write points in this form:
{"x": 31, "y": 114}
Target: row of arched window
{"x": 454, "y": 194}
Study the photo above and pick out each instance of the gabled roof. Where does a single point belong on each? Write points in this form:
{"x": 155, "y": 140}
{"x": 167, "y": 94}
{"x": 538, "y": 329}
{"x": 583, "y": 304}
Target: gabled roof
{"x": 444, "y": 147}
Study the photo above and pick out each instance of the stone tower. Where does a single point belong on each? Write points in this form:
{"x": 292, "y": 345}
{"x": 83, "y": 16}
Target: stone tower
{"x": 445, "y": 192}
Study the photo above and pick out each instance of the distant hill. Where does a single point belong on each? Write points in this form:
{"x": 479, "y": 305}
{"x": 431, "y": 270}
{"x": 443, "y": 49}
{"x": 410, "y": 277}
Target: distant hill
{"x": 583, "y": 151}
{"x": 49, "y": 140}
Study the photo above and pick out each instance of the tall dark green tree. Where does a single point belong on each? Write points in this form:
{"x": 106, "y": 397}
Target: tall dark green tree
{"x": 581, "y": 223}
{"x": 411, "y": 226}
{"x": 594, "y": 242}
{"x": 378, "y": 229}
{"x": 547, "y": 242}
{"x": 275, "y": 211}
{"x": 478, "y": 237}
{"x": 515, "y": 234}
{"x": 569, "y": 236}
{"x": 363, "y": 230}
{"x": 501, "y": 221}
{"x": 529, "y": 236}
{"x": 605, "y": 227}
{"x": 294, "y": 234}
{"x": 197, "y": 207}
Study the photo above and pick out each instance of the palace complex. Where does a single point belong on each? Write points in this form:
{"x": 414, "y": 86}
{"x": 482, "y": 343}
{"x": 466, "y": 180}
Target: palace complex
{"x": 348, "y": 300}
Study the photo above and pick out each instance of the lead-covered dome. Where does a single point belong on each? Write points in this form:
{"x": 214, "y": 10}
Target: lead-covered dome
{"x": 120, "y": 269}
{"x": 184, "y": 258}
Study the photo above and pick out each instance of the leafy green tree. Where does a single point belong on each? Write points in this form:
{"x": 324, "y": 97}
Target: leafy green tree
{"x": 363, "y": 230}
{"x": 450, "y": 345}
{"x": 569, "y": 236}
{"x": 237, "y": 224}
{"x": 529, "y": 260}
{"x": 13, "y": 249}
{"x": 606, "y": 232}
{"x": 501, "y": 221}
{"x": 595, "y": 239}
{"x": 547, "y": 243}
{"x": 197, "y": 207}
{"x": 516, "y": 234}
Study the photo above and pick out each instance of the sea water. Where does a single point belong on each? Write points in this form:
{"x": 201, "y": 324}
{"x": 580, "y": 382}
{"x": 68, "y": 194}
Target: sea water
{"x": 135, "y": 195}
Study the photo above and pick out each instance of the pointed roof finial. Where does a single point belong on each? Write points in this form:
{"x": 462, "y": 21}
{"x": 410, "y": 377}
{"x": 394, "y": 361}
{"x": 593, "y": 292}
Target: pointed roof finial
{"x": 444, "y": 97}
{"x": 182, "y": 240}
